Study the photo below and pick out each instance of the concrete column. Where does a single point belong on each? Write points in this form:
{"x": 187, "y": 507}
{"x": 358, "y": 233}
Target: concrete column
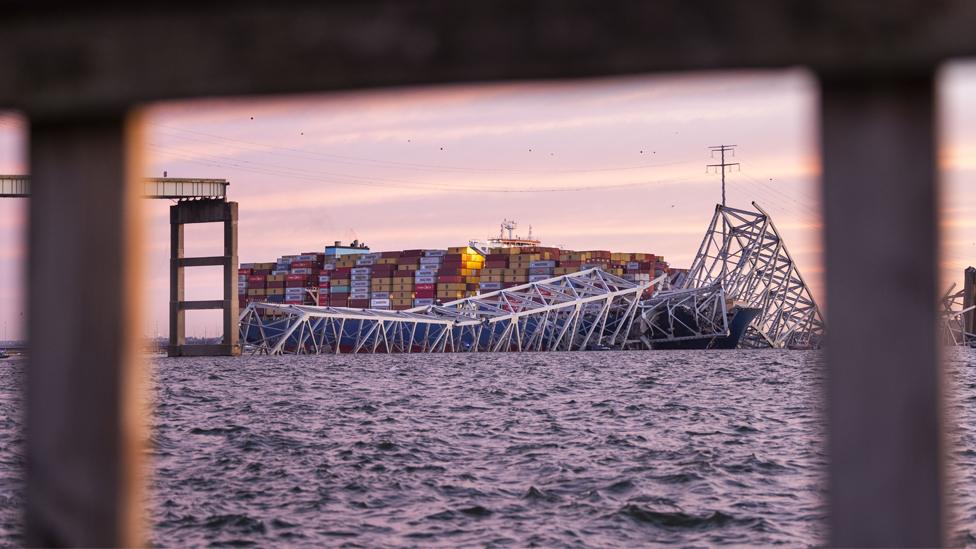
{"x": 884, "y": 376}
{"x": 84, "y": 408}
{"x": 231, "y": 304}
{"x": 177, "y": 317}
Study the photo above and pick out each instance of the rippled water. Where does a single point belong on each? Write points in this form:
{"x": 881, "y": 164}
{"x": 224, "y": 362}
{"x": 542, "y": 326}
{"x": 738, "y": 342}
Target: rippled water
{"x": 597, "y": 449}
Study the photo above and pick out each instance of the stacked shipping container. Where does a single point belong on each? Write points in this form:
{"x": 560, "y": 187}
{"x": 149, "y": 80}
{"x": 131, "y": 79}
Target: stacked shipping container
{"x": 399, "y": 280}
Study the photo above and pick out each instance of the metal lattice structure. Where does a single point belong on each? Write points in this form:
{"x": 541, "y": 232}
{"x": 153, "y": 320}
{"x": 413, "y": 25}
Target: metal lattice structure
{"x": 744, "y": 253}
{"x": 686, "y": 314}
{"x": 579, "y": 311}
{"x": 953, "y": 315}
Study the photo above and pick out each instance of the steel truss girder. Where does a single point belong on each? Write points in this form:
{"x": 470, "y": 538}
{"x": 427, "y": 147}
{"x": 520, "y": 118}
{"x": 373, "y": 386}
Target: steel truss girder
{"x": 744, "y": 253}
{"x": 694, "y": 313}
{"x": 577, "y": 311}
{"x": 953, "y": 315}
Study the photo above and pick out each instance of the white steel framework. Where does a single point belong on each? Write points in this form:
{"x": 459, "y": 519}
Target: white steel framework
{"x": 744, "y": 253}
{"x": 591, "y": 309}
{"x": 953, "y": 316}
{"x": 686, "y": 314}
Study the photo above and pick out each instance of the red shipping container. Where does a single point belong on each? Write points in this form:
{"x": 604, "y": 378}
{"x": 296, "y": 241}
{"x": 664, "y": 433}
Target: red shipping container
{"x": 276, "y": 284}
{"x": 325, "y": 284}
{"x": 254, "y": 279}
{"x": 403, "y": 274}
{"x": 261, "y": 272}
{"x": 450, "y": 279}
{"x": 341, "y": 271}
{"x": 359, "y": 303}
{"x": 424, "y": 287}
{"x": 244, "y": 271}
{"x": 449, "y": 271}
{"x": 423, "y": 294}
{"x": 291, "y": 278}
{"x": 388, "y": 255}
{"x": 302, "y": 264}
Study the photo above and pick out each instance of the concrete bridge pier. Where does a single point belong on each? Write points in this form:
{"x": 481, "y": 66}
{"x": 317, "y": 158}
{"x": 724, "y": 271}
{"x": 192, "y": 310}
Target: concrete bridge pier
{"x": 203, "y": 211}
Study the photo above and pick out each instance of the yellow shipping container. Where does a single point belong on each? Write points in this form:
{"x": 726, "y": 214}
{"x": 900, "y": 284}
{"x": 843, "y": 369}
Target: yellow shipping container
{"x": 256, "y": 291}
{"x": 387, "y": 261}
{"x": 274, "y": 291}
{"x": 276, "y": 278}
{"x": 386, "y": 280}
{"x": 402, "y": 302}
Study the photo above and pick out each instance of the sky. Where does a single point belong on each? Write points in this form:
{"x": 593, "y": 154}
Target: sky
{"x": 613, "y": 164}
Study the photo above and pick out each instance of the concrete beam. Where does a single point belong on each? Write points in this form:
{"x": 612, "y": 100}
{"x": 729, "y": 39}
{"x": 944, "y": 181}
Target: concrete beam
{"x": 115, "y": 54}
{"x": 884, "y": 384}
{"x": 212, "y": 261}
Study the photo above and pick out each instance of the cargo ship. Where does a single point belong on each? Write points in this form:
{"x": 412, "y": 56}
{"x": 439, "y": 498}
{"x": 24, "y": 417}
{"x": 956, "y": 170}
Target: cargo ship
{"x": 354, "y": 276}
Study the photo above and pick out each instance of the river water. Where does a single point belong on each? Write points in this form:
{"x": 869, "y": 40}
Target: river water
{"x": 602, "y": 449}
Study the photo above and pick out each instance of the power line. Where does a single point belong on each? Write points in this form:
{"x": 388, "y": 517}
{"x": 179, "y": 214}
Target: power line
{"x": 383, "y": 182}
{"x": 722, "y": 149}
{"x": 346, "y": 159}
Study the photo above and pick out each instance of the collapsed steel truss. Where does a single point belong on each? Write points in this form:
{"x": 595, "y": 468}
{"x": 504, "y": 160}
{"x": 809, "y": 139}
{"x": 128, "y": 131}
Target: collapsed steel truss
{"x": 743, "y": 252}
{"x": 953, "y": 314}
{"x": 680, "y": 315}
{"x": 585, "y": 310}
{"x": 742, "y": 263}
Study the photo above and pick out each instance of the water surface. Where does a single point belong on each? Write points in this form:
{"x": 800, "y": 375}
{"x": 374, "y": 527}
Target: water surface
{"x": 595, "y": 449}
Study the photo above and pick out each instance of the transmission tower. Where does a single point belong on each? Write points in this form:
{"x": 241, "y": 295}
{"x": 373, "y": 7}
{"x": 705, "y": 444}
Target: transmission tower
{"x": 722, "y": 149}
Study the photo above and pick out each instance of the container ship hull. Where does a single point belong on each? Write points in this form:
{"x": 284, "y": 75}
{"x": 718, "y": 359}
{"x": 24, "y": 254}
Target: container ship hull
{"x": 739, "y": 320}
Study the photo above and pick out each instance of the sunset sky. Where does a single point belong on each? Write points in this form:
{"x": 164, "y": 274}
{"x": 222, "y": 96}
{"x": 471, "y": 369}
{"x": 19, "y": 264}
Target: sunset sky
{"x": 613, "y": 164}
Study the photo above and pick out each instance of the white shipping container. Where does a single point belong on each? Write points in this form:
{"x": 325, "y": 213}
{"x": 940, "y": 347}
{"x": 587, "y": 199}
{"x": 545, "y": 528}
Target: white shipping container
{"x": 381, "y": 302}
{"x": 359, "y": 278}
{"x": 280, "y": 272}
{"x": 435, "y": 253}
{"x": 537, "y": 278}
{"x": 633, "y": 265}
{"x": 247, "y": 265}
{"x": 431, "y": 260}
{"x": 360, "y": 270}
{"x": 325, "y": 278}
{"x": 381, "y": 295}
{"x": 423, "y": 273}
{"x": 359, "y": 284}
{"x": 301, "y": 271}
{"x": 491, "y": 285}
{"x": 365, "y": 261}
{"x": 372, "y": 255}
{"x": 542, "y": 263}
{"x": 422, "y": 301}
{"x": 426, "y": 280}
{"x": 328, "y": 267}
{"x": 308, "y": 257}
